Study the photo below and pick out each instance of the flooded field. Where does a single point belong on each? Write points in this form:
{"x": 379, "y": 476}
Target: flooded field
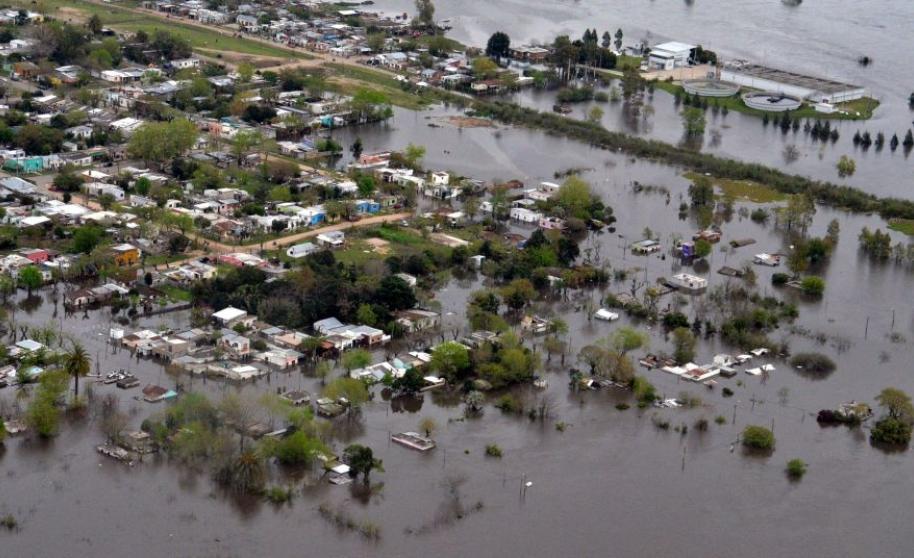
{"x": 610, "y": 480}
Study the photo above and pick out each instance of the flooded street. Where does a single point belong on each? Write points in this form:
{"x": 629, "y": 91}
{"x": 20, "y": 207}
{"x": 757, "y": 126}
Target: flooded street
{"x": 610, "y": 480}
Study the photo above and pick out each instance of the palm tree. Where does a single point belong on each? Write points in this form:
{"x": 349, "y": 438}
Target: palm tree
{"x": 77, "y": 363}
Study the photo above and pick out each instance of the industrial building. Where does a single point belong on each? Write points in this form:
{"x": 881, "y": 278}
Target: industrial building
{"x": 670, "y": 55}
{"x": 809, "y": 88}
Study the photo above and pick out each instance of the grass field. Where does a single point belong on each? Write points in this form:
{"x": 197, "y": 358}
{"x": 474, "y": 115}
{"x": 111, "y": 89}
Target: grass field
{"x": 745, "y": 190}
{"x": 860, "y": 109}
{"x": 121, "y": 18}
{"x": 905, "y": 226}
{"x": 351, "y": 78}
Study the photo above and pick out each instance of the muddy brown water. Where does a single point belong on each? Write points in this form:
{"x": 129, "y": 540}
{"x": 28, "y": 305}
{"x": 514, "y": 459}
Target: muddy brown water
{"x": 610, "y": 484}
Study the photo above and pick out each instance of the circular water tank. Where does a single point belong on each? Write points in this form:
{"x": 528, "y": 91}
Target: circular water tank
{"x": 772, "y": 102}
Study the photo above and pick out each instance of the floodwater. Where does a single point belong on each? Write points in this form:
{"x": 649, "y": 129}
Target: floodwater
{"x": 611, "y": 480}
{"x": 823, "y": 38}
{"x": 611, "y": 483}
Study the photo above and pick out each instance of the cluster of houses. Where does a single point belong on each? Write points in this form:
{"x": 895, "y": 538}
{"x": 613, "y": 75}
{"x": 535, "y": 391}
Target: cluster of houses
{"x": 239, "y": 347}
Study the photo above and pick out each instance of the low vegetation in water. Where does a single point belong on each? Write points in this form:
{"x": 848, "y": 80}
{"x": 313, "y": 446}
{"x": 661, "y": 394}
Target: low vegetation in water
{"x": 815, "y": 363}
{"x": 758, "y": 438}
{"x": 492, "y": 450}
{"x": 747, "y": 190}
{"x": 796, "y": 468}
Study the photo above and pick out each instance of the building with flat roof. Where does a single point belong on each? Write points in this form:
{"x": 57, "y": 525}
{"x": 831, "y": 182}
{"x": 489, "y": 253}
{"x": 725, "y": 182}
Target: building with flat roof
{"x": 670, "y": 55}
{"x": 809, "y": 88}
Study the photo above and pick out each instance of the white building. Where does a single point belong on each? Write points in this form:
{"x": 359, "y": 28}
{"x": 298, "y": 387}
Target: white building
{"x": 670, "y": 55}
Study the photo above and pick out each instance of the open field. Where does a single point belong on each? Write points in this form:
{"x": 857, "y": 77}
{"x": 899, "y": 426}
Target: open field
{"x": 122, "y": 18}
{"x": 746, "y": 190}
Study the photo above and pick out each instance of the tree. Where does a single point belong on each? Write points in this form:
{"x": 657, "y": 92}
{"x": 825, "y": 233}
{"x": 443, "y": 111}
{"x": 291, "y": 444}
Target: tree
{"x": 245, "y": 72}
{"x": 451, "y": 360}
{"x": 413, "y": 155}
{"x": 356, "y": 358}
{"x": 354, "y": 391}
{"x": 361, "y": 461}
{"x": 518, "y": 294}
{"x": 693, "y": 121}
{"x": 484, "y": 67}
{"x": 627, "y": 339}
{"x": 575, "y": 197}
{"x": 376, "y": 42}
{"x": 428, "y": 425}
{"x": 162, "y": 141}
{"x": 702, "y": 248}
{"x": 758, "y": 438}
{"x": 357, "y": 148}
{"x": 86, "y": 238}
{"x": 244, "y": 474}
{"x": 77, "y": 363}
{"x": 94, "y": 25}
{"x": 684, "y": 345}
{"x": 30, "y": 278}
{"x": 425, "y": 13}
{"x": 896, "y": 403}
{"x": 42, "y": 415}
{"x": 618, "y": 41}
{"x": 499, "y": 45}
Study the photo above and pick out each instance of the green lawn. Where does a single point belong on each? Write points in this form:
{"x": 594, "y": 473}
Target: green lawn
{"x": 745, "y": 190}
{"x": 122, "y": 18}
{"x": 176, "y": 294}
{"x": 905, "y": 226}
{"x": 378, "y": 81}
{"x": 861, "y": 109}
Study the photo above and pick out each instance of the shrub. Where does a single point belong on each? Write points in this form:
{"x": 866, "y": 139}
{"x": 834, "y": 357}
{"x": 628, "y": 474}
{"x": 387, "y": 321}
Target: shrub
{"x": 644, "y": 390}
{"x": 701, "y": 424}
{"x": 813, "y": 286}
{"x": 779, "y": 279}
{"x": 492, "y": 450}
{"x": 278, "y": 495}
{"x": 727, "y": 392}
{"x": 622, "y": 406}
{"x": 891, "y": 431}
{"x": 796, "y": 468}
{"x": 720, "y": 419}
{"x": 509, "y": 404}
{"x": 758, "y": 437}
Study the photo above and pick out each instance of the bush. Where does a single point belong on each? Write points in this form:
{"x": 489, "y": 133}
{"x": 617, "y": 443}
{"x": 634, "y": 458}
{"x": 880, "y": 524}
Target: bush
{"x": 891, "y": 431}
{"x": 758, "y": 437}
{"x": 813, "y": 286}
{"x": 779, "y": 279}
{"x": 509, "y": 404}
{"x": 720, "y": 419}
{"x": 278, "y": 495}
{"x": 622, "y": 406}
{"x": 492, "y": 450}
{"x": 829, "y": 417}
{"x": 727, "y": 392}
{"x": 813, "y": 362}
{"x": 796, "y": 468}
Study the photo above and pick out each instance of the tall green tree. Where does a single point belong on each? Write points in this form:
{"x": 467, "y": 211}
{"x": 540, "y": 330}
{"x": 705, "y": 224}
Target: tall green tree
{"x": 77, "y": 363}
